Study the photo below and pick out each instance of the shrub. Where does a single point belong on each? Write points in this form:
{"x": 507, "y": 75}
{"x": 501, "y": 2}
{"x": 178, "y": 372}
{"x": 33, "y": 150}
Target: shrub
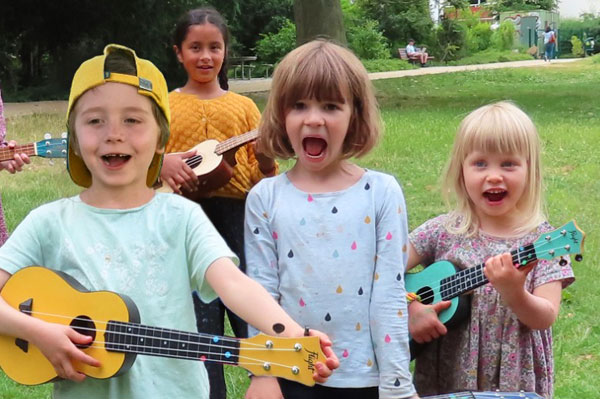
{"x": 577, "y": 47}
{"x": 367, "y": 42}
{"x": 504, "y": 37}
{"x": 273, "y": 46}
{"x": 450, "y": 40}
{"x": 384, "y": 65}
{"x": 479, "y": 37}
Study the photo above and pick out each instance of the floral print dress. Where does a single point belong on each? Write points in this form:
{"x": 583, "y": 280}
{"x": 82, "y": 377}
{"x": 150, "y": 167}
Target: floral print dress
{"x": 3, "y": 230}
{"x": 491, "y": 349}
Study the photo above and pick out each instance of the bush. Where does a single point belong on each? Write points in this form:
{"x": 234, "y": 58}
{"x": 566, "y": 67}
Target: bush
{"x": 504, "y": 37}
{"x": 450, "y": 40}
{"x": 577, "y": 47}
{"x": 273, "y": 46}
{"x": 367, "y": 42}
{"x": 492, "y": 55}
{"x": 479, "y": 37}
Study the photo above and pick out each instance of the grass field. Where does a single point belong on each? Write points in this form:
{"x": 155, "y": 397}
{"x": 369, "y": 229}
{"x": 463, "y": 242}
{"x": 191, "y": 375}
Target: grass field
{"x": 421, "y": 115}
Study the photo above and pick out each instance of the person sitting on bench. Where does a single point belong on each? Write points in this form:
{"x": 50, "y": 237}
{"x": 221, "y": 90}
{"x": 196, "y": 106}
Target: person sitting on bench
{"x": 416, "y": 54}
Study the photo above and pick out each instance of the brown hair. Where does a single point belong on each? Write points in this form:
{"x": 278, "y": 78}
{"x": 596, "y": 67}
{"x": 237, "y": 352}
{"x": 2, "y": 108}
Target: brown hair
{"x": 325, "y": 71}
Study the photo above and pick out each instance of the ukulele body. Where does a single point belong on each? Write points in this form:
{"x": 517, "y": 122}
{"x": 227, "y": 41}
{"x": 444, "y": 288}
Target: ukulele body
{"x": 426, "y": 284}
{"x": 55, "y": 297}
{"x": 213, "y": 170}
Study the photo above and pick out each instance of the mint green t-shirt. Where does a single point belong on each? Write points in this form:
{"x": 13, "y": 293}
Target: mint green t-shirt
{"x": 156, "y": 254}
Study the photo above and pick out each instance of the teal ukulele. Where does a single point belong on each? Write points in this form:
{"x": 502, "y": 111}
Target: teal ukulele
{"x": 487, "y": 395}
{"x": 442, "y": 281}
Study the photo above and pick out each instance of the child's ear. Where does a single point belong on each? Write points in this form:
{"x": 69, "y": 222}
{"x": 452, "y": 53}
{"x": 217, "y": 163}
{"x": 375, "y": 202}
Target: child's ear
{"x": 178, "y": 53}
{"x": 160, "y": 150}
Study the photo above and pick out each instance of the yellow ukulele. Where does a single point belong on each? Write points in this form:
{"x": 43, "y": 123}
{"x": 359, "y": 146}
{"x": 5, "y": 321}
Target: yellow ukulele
{"x": 213, "y": 163}
{"x": 112, "y": 320}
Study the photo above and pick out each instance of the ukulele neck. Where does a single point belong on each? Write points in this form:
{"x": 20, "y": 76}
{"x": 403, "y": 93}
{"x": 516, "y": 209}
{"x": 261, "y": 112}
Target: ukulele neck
{"x": 163, "y": 342}
{"x": 7, "y": 154}
{"x": 473, "y": 277}
{"x": 236, "y": 141}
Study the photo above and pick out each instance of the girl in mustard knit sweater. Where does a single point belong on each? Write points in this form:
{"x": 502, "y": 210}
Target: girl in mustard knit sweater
{"x": 204, "y": 109}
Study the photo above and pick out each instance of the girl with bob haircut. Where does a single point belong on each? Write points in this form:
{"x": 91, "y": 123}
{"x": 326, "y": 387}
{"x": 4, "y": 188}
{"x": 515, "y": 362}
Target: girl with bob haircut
{"x": 494, "y": 180}
{"x": 328, "y": 238}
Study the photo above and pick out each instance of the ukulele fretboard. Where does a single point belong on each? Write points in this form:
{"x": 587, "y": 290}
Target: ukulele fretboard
{"x": 137, "y": 338}
{"x": 236, "y": 141}
{"x": 472, "y": 277}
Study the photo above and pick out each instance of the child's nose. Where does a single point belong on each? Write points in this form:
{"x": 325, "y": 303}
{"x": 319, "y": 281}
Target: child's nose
{"x": 494, "y": 176}
{"x": 114, "y": 132}
{"x": 314, "y": 118}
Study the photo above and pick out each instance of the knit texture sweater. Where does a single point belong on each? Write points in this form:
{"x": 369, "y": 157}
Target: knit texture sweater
{"x": 194, "y": 120}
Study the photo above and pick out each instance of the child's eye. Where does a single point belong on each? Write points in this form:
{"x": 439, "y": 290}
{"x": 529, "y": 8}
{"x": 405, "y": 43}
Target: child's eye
{"x": 479, "y": 164}
{"x": 94, "y": 121}
{"x": 299, "y": 105}
{"x": 331, "y": 107}
{"x": 508, "y": 164}
{"x": 132, "y": 120}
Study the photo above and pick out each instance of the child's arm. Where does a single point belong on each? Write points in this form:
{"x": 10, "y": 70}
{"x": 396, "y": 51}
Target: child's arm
{"x": 250, "y": 301}
{"x": 536, "y": 310}
{"x": 423, "y": 322}
{"x": 57, "y": 342}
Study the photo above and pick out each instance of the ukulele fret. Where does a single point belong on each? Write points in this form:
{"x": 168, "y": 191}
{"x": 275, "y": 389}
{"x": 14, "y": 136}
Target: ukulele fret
{"x": 163, "y": 342}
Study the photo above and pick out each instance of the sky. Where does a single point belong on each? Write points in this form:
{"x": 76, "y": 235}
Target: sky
{"x": 573, "y": 8}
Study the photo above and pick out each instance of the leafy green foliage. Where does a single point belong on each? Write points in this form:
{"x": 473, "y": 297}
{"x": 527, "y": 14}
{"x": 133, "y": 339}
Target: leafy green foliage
{"x": 389, "y": 64}
{"x": 450, "y": 40}
{"x": 577, "y": 46}
{"x": 273, "y": 46}
{"x": 367, "y": 42}
{"x": 479, "y": 37}
{"x": 512, "y": 5}
{"x": 503, "y": 38}
{"x": 400, "y": 20}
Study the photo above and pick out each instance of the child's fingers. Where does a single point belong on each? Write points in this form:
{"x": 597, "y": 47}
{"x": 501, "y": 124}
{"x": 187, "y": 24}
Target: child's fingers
{"x": 78, "y": 354}
{"x": 438, "y": 307}
{"x": 322, "y": 372}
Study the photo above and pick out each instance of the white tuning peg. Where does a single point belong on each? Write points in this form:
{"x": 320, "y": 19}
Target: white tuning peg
{"x": 47, "y": 136}
{"x": 63, "y": 135}
{"x": 51, "y": 162}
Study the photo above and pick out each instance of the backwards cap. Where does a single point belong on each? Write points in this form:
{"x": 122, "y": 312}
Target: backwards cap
{"x": 149, "y": 81}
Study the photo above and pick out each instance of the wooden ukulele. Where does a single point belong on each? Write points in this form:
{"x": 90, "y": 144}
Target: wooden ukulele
{"x": 47, "y": 148}
{"x": 443, "y": 281}
{"x": 487, "y": 395}
{"x": 112, "y": 320}
{"x": 213, "y": 163}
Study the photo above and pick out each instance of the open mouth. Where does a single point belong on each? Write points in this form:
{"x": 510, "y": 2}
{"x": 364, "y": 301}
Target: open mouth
{"x": 115, "y": 160}
{"x": 495, "y": 195}
{"x": 314, "y": 147}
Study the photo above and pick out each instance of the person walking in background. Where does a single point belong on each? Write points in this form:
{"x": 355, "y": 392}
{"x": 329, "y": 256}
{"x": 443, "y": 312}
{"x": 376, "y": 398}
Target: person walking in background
{"x": 205, "y": 109}
{"x": 12, "y": 166}
{"x": 549, "y": 43}
{"x": 328, "y": 239}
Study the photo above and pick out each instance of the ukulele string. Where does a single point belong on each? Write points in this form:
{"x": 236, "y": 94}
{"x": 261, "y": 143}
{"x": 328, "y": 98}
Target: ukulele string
{"x": 464, "y": 278}
{"x": 188, "y": 354}
{"x": 154, "y": 329}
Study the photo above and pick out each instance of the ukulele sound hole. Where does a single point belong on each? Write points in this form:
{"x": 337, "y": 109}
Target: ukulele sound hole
{"x": 84, "y": 325}
{"x": 426, "y": 295}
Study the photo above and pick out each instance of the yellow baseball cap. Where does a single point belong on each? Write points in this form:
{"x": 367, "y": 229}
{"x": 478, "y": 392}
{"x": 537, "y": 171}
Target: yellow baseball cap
{"x": 149, "y": 81}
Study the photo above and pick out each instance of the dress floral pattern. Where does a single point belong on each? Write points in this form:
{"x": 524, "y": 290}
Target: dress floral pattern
{"x": 491, "y": 349}
{"x": 3, "y": 230}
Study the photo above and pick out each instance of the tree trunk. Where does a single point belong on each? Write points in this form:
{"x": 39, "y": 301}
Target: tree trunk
{"x": 319, "y": 18}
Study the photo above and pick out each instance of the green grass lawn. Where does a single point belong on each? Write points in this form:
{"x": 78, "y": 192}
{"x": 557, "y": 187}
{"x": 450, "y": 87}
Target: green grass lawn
{"x": 420, "y": 116}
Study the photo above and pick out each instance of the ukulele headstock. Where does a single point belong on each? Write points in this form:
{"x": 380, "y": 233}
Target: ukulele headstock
{"x": 290, "y": 358}
{"x": 52, "y": 148}
{"x": 566, "y": 240}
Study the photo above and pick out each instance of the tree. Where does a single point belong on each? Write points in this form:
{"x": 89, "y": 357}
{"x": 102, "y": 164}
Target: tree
{"x": 319, "y": 18}
{"x": 513, "y": 5}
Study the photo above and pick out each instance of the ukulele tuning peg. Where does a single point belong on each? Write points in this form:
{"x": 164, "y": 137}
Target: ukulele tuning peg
{"x": 579, "y": 257}
{"x": 562, "y": 262}
{"x": 51, "y": 162}
{"x": 63, "y": 135}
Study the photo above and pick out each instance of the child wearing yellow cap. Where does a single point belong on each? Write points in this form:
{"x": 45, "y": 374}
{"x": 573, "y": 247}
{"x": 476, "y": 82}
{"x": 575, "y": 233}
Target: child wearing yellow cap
{"x": 119, "y": 235}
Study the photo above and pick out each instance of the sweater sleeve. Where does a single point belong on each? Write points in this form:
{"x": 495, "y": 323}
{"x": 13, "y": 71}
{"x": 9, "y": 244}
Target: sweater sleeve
{"x": 388, "y": 310}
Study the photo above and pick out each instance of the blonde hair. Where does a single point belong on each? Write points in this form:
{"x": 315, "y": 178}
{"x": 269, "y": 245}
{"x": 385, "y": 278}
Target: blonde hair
{"x": 503, "y": 128}
{"x": 327, "y": 72}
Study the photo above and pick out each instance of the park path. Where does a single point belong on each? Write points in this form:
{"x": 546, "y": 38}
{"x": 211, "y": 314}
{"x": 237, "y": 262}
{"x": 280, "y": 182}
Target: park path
{"x": 263, "y": 85}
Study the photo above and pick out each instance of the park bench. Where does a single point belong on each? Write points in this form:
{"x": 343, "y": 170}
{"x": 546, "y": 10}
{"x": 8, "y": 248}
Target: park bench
{"x": 404, "y": 56}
